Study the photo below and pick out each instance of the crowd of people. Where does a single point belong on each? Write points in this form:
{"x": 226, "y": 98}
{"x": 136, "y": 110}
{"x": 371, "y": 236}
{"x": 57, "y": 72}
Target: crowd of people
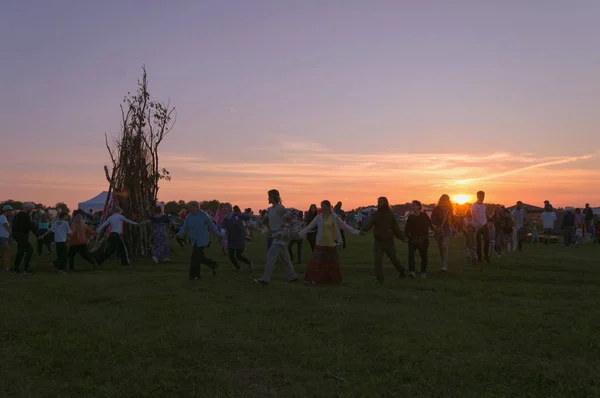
{"x": 324, "y": 228}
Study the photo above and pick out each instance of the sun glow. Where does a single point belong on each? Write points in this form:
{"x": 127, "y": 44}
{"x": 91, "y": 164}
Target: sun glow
{"x": 461, "y": 199}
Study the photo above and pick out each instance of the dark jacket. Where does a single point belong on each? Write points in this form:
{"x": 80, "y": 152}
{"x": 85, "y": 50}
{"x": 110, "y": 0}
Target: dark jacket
{"x": 22, "y": 224}
{"x": 308, "y": 220}
{"x": 417, "y": 227}
{"x": 568, "y": 220}
{"x": 589, "y": 213}
{"x": 385, "y": 226}
{"x": 236, "y": 231}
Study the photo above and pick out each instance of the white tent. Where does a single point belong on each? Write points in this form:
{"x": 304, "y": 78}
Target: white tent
{"x": 95, "y": 204}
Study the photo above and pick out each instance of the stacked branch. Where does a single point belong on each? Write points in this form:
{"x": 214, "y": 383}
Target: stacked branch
{"x": 135, "y": 172}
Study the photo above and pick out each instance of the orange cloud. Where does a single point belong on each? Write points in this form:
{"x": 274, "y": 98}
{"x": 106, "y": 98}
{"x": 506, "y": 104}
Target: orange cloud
{"x": 307, "y": 172}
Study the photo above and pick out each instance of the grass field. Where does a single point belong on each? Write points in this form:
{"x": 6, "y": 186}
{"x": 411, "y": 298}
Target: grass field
{"x": 525, "y": 326}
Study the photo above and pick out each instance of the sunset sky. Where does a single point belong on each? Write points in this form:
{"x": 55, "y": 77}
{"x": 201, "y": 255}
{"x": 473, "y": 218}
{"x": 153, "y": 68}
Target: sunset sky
{"x": 323, "y": 99}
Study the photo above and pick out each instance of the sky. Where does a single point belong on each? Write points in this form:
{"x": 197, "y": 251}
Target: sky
{"x": 340, "y": 99}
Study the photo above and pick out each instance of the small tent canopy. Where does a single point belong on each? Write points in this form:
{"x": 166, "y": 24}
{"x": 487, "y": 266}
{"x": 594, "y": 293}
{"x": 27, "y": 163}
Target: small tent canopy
{"x": 95, "y": 204}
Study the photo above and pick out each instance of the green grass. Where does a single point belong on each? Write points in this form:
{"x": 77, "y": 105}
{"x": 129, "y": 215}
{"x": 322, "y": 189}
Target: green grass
{"x": 526, "y": 326}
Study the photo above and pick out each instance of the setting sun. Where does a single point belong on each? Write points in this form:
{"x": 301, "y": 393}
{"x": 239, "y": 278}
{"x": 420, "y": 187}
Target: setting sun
{"x": 461, "y": 199}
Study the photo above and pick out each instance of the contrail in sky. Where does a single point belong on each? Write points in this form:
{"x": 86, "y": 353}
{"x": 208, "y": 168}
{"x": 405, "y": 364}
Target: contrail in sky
{"x": 533, "y": 166}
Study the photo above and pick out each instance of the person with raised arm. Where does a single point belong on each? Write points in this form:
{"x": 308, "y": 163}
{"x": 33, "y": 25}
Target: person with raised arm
{"x": 115, "y": 240}
{"x": 61, "y": 230}
{"x": 195, "y": 227}
{"x": 324, "y": 266}
{"x": 159, "y": 221}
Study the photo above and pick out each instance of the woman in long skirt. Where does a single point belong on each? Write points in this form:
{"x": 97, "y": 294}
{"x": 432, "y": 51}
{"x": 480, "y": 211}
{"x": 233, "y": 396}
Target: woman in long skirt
{"x": 324, "y": 267}
{"x": 159, "y": 222}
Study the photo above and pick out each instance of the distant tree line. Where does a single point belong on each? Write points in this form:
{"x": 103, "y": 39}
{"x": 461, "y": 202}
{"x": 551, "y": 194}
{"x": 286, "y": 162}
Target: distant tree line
{"x": 17, "y": 205}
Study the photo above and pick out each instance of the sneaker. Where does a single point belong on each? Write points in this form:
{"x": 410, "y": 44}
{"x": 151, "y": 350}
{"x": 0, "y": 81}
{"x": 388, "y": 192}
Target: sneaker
{"x": 194, "y": 278}
{"x": 155, "y": 259}
{"x": 261, "y": 282}
{"x": 61, "y": 272}
{"x": 411, "y": 274}
{"x": 423, "y": 275}
{"x": 444, "y": 268}
{"x": 309, "y": 283}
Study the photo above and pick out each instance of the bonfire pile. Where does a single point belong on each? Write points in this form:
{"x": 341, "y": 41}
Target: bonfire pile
{"x": 134, "y": 175}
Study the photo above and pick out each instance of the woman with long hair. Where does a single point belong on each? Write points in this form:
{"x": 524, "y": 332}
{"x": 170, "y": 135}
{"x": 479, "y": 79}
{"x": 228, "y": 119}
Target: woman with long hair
{"x": 78, "y": 241}
{"x": 311, "y": 236}
{"x": 444, "y": 222}
{"x": 324, "y": 267}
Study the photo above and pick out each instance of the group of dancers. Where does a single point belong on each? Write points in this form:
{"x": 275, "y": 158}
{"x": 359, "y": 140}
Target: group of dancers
{"x": 324, "y": 230}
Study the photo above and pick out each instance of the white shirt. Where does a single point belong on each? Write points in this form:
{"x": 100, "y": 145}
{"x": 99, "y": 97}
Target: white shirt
{"x": 116, "y": 223}
{"x": 61, "y": 229}
{"x": 276, "y": 214}
{"x": 548, "y": 218}
{"x": 478, "y": 214}
{"x": 3, "y": 230}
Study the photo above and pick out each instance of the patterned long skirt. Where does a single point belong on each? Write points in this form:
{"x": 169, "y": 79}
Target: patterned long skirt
{"x": 324, "y": 266}
{"x": 161, "y": 247}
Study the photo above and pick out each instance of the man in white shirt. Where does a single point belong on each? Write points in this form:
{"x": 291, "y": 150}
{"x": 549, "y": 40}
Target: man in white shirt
{"x": 479, "y": 217}
{"x": 61, "y": 230}
{"x": 115, "y": 221}
{"x": 548, "y": 219}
